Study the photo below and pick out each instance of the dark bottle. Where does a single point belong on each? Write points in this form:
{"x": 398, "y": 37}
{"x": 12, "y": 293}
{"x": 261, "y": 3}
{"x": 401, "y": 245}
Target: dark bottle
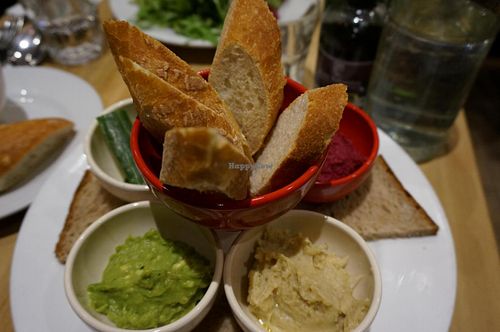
{"x": 350, "y": 31}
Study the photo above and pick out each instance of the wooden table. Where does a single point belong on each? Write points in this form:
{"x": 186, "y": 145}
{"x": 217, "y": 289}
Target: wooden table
{"x": 454, "y": 177}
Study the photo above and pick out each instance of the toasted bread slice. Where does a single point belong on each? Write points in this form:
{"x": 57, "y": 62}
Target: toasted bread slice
{"x": 28, "y": 143}
{"x": 202, "y": 159}
{"x": 125, "y": 40}
{"x": 300, "y": 137}
{"x": 246, "y": 70}
{"x": 380, "y": 208}
{"x": 90, "y": 201}
{"x": 161, "y": 106}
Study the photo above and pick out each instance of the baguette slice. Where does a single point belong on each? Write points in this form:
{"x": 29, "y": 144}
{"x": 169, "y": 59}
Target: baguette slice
{"x": 201, "y": 159}
{"x": 90, "y": 202}
{"x": 125, "y": 40}
{"x": 161, "y": 106}
{"x": 246, "y": 70}
{"x": 380, "y": 208}
{"x": 300, "y": 137}
{"x": 27, "y": 144}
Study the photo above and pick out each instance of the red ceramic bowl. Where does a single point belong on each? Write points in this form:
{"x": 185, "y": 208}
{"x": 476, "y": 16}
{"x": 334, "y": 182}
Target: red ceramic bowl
{"x": 359, "y": 128}
{"x": 216, "y": 210}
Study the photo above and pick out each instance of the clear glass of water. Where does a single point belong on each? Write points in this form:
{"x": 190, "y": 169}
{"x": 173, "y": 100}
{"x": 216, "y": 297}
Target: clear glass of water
{"x": 297, "y": 20}
{"x": 428, "y": 57}
{"x": 71, "y": 29}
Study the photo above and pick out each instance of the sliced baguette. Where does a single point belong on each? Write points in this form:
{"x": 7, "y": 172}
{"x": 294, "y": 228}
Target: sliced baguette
{"x": 300, "y": 137}
{"x": 202, "y": 159}
{"x": 90, "y": 201}
{"x": 125, "y": 40}
{"x": 380, "y": 208}
{"x": 161, "y": 106}
{"x": 27, "y": 144}
{"x": 246, "y": 70}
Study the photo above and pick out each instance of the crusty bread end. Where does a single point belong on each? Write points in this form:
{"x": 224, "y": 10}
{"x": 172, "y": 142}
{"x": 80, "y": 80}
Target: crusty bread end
{"x": 27, "y": 144}
{"x": 247, "y": 71}
{"x": 300, "y": 137}
{"x": 202, "y": 159}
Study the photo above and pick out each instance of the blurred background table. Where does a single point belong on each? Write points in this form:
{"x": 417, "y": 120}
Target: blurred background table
{"x": 455, "y": 178}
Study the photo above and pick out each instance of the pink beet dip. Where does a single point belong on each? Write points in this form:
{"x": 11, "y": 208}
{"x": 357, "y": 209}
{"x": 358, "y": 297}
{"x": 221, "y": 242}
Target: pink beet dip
{"x": 342, "y": 159}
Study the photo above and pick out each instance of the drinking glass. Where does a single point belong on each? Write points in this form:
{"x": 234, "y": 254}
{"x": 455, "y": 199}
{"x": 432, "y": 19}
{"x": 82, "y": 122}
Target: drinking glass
{"x": 71, "y": 29}
{"x": 429, "y": 54}
{"x": 297, "y": 20}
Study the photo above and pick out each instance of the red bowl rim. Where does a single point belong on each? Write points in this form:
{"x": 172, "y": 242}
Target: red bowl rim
{"x": 367, "y": 164}
{"x": 249, "y": 202}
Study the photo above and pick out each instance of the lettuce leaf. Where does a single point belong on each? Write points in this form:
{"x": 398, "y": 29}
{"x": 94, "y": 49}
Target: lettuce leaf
{"x": 197, "y": 19}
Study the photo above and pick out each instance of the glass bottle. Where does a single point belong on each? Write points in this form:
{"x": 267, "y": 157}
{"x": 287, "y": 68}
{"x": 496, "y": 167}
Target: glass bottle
{"x": 350, "y": 31}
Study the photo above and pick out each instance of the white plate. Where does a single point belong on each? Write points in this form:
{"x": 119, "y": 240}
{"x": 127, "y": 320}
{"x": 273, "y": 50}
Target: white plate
{"x": 127, "y": 10}
{"x": 418, "y": 274}
{"x": 37, "y": 92}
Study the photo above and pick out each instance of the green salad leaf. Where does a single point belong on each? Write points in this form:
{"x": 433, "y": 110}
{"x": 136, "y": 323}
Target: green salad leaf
{"x": 274, "y": 3}
{"x": 198, "y": 19}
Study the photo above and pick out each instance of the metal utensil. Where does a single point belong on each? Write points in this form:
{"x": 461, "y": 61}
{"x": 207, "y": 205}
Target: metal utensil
{"x": 10, "y": 26}
{"x": 26, "y": 48}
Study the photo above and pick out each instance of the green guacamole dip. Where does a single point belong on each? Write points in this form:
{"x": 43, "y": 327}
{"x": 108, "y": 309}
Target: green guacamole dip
{"x": 149, "y": 282}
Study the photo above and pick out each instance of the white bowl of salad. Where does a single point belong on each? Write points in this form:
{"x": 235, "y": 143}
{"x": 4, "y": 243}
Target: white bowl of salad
{"x": 108, "y": 153}
{"x": 189, "y": 23}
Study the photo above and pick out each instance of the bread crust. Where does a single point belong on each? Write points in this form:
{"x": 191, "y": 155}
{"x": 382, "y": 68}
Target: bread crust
{"x": 324, "y": 111}
{"x": 27, "y": 143}
{"x": 251, "y": 26}
{"x": 125, "y": 40}
{"x": 202, "y": 159}
{"x": 161, "y": 106}
{"x": 380, "y": 208}
{"x": 90, "y": 201}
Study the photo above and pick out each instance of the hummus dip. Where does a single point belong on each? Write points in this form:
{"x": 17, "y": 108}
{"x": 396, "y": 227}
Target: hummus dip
{"x": 297, "y": 286}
